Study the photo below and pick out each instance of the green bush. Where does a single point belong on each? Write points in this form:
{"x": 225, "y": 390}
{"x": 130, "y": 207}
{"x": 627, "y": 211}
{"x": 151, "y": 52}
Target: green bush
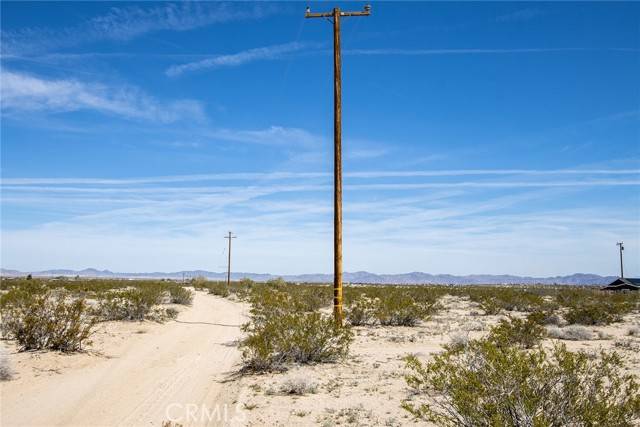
{"x": 130, "y": 304}
{"x": 515, "y": 331}
{"x": 486, "y": 384}
{"x": 278, "y": 281}
{"x": 219, "y": 289}
{"x": 490, "y": 306}
{"x": 595, "y": 313}
{"x": 398, "y": 308}
{"x": 284, "y": 329}
{"x": 180, "y": 295}
{"x": 293, "y": 337}
{"x": 42, "y": 319}
{"x": 362, "y": 310}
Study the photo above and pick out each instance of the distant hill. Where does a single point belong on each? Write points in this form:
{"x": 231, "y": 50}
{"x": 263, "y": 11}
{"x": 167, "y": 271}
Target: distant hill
{"x": 415, "y": 278}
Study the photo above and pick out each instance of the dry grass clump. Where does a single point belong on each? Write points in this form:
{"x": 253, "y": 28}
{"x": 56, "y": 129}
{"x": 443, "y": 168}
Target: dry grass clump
{"x": 571, "y": 333}
{"x": 298, "y": 386}
{"x": 634, "y": 331}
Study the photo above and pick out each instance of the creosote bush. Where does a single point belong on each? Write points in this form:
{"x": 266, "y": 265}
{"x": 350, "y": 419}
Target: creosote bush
{"x": 515, "y": 331}
{"x": 38, "y": 318}
{"x": 389, "y": 306}
{"x": 593, "y": 313}
{"x": 180, "y": 295}
{"x": 219, "y": 289}
{"x": 283, "y": 331}
{"x": 362, "y": 310}
{"x": 294, "y": 338}
{"x": 486, "y": 384}
{"x": 130, "y": 304}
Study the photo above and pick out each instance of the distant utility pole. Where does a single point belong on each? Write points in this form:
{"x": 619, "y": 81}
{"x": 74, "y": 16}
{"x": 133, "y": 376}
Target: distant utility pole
{"x": 334, "y": 16}
{"x": 229, "y": 262}
{"x": 621, "y": 244}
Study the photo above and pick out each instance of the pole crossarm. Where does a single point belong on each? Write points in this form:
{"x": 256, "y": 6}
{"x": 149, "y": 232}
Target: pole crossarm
{"x": 331, "y": 14}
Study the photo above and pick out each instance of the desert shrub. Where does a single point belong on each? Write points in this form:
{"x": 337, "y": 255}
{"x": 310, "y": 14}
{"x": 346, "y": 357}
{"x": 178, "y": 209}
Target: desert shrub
{"x": 298, "y": 386}
{"x": 397, "y": 308}
{"x": 278, "y": 281}
{"x": 490, "y": 306}
{"x": 515, "y": 331}
{"x": 45, "y": 320}
{"x": 493, "y": 300}
{"x": 161, "y": 315}
{"x": 634, "y": 331}
{"x": 592, "y": 313}
{"x": 362, "y": 310}
{"x": 199, "y": 282}
{"x": 293, "y": 337}
{"x": 130, "y": 304}
{"x": 484, "y": 384}
{"x": 571, "y": 333}
{"x": 180, "y": 295}
{"x": 547, "y": 317}
{"x": 219, "y": 289}
{"x": 458, "y": 341}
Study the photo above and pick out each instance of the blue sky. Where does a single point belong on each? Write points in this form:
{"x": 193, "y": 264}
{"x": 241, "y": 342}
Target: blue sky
{"x": 478, "y": 137}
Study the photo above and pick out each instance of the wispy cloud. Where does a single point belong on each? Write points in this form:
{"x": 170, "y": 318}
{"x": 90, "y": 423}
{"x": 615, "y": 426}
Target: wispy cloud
{"x": 273, "y": 176}
{"x": 273, "y": 135}
{"x": 178, "y": 229}
{"x": 520, "y": 15}
{"x": 238, "y": 58}
{"x": 126, "y": 23}
{"x": 25, "y": 92}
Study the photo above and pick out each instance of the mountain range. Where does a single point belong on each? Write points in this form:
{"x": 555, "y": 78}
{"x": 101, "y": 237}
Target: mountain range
{"x": 414, "y": 278}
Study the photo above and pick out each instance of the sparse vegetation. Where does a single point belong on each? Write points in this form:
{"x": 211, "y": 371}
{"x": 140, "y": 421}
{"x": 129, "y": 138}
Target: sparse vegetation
{"x": 517, "y": 332}
{"x": 486, "y": 384}
{"x": 298, "y": 386}
{"x": 389, "y": 306}
{"x": 38, "y": 318}
{"x": 294, "y": 338}
{"x": 281, "y": 331}
{"x": 362, "y": 311}
{"x": 130, "y": 304}
{"x": 180, "y": 295}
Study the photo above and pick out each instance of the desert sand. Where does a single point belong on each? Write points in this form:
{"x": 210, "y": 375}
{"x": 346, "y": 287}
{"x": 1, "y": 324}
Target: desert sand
{"x": 135, "y": 373}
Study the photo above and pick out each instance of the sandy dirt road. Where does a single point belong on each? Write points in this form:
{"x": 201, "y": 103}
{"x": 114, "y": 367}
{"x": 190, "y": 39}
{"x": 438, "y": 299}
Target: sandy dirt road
{"x": 175, "y": 371}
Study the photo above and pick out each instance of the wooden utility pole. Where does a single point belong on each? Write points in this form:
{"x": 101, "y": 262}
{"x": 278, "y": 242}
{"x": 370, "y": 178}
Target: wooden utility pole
{"x": 229, "y": 261}
{"x": 621, "y": 244}
{"x": 335, "y": 16}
